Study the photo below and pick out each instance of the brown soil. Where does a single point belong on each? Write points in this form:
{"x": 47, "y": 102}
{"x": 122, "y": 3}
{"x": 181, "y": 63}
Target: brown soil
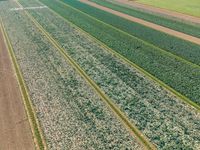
{"x": 146, "y": 23}
{"x": 15, "y": 132}
{"x": 162, "y": 11}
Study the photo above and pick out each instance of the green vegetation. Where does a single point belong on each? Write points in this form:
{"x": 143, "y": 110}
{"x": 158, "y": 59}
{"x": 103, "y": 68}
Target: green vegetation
{"x": 180, "y": 76}
{"x": 146, "y": 104}
{"x": 190, "y": 7}
{"x": 69, "y": 75}
{"x": 193, "y": 30}
{"x": 184, "y": 49}
{"x": 71, "y": 114}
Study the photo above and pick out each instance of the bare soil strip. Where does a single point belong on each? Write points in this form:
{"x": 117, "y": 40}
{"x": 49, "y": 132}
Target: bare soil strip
{"x": 146, "y": 23}
{"x": 162, "y": 11}
{"x": 14, "y": 125}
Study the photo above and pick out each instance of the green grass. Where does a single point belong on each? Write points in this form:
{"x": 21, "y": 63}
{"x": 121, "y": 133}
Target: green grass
{"x": 190, "y": 7}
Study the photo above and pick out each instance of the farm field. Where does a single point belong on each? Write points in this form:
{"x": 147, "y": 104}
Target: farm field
{"x": 63, "y": 102}
{"x": 157, "y": 62}
{"x": 184, "y": 6}
{"x": 94, "y": 84}
{"x": 140, "y": 32}
{"x": 145, "y": 23}
{"x": 157, "y": 18}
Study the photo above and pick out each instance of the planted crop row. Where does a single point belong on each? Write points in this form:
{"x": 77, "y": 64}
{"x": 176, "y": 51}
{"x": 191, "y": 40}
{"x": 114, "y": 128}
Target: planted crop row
{"x": 184, "y": 27}
{"x": 187, "y": 50}
{"x": 180, "y": 76}
{"x": 71, "y": 114}
{"x": 145, "y": 103}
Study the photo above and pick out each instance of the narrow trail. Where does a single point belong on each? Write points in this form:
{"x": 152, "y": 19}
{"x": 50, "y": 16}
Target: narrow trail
{"x": 162, "y": 11}
{"x": 146, "y": 23}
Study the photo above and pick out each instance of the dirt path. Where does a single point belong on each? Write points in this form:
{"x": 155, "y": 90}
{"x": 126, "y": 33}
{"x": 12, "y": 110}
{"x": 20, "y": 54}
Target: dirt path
{"x": 15, "y": 132}
{"x": 146, "y": 23}
{"x": 162, "y": 11}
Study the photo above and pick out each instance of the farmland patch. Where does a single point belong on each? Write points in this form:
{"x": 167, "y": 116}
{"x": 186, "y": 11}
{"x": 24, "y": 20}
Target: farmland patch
{"x": 144, "y": 102}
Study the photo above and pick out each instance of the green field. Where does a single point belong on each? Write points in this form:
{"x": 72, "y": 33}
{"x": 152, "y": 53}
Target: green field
{"x": 98, "y": 81}
{"x": 66, "y": 106}
{"x": 162, "y": 20}
{"x": 190, "y": 7}
{"x": 149, "y": 58}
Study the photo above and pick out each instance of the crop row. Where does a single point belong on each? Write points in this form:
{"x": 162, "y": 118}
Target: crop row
{"x": 180, "y": 76}
{"x": 71, "y": 114}
{"x": 145, "y": 103}
{"x": 177, "y": 25}
{"x": 187, "y": 50}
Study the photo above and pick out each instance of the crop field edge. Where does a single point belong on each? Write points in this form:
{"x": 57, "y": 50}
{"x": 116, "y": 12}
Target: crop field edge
{"x": 147, "y": 74}
{"x": 37, "y": 133}
{"x": 116, "y": 111}
{"x": 139, "y": 39}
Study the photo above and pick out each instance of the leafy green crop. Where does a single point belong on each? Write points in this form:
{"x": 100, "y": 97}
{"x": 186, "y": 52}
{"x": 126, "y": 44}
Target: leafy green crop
{"x": 71, "y": 114}
{"x": 154, "y": 110}
{"x": 180, "y": 76}
{"x": 184, "y": 49}
{"x": 155, "y": 18}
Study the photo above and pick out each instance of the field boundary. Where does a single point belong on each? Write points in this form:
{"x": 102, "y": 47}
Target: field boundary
{"x": 139, "y": 39}
{"x": 34, "y": 123}
{"x": 141, "y": 70}
{"x": 116, "y": 111}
